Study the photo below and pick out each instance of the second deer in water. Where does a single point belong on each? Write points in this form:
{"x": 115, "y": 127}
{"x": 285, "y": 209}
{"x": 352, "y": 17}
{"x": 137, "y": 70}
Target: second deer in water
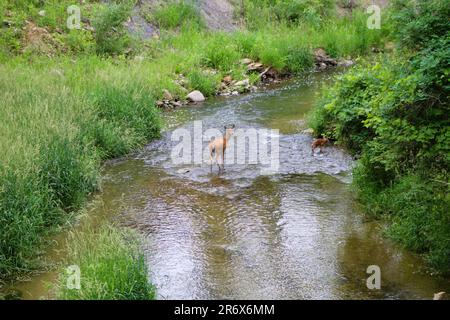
{"x": 318, "y": 143}
{"x": 218, "y": 146}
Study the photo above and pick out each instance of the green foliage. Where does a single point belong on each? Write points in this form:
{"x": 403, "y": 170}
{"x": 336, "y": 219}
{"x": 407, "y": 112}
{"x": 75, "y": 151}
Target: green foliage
{"x": 112, "y": 267}
{"x": 79, "y": 42}
{"x": 52, "y": 16}
{"x": 111, "y": 36}
{"x": 64, "y": 115}
{"x": 122, "y": 109}
{"x": 299, "y": 58}
{"x": 416, "y": 207}
{"x": 394, "y": 114}
{"x": 220, "y": 53}
{"x": 176, "y": 14}
{"x": 313, "y": 12}
{"x": 61, "y": 121}
{"x": 204, "y": 82}
{"x": 354, "y": 36}
{"x": 309, "y": 11}
{"x": 418, "y": 21}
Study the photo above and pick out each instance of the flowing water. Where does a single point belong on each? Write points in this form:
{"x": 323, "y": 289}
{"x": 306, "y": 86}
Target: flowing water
{"x": 295, "y": 234}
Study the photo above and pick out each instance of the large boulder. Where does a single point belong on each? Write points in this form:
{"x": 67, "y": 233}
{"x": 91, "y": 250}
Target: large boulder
{"x": 196, "y": 96}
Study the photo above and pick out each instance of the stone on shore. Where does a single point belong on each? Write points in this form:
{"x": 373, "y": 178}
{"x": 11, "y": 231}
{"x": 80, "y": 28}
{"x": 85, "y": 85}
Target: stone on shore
{"x": 196, "y": 96}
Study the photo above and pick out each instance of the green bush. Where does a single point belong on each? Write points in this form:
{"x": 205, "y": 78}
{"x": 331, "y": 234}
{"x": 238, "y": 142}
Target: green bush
{"x": 416, "y": 22}
{"x": 111, "y": 37}
{"x": 79, "y": 41}
{"x": 416, "y": 207}
{"x": 112, "y": 267}
{"x": 309, "y": 11}
{"x": 394, "y": 114}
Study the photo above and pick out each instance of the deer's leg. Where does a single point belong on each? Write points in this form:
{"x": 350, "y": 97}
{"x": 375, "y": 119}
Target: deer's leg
{"x": 218, "y": 161}
{"x": 223, "y": 159}
{"x": 211, "y": 149}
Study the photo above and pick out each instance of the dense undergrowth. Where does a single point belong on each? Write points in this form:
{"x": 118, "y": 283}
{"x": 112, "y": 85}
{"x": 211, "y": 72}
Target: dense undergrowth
{"x": 393, "y": 114}
{"x": 71, "y": 98}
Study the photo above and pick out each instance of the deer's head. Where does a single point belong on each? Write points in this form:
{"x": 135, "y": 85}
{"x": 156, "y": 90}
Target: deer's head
{"x": 229, "y": 130}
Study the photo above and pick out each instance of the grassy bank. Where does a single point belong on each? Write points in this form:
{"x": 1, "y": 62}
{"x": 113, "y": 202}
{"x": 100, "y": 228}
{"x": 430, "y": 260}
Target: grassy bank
{"x": 72, "y": 98}
{"x": 393, "y": 115}
{"x": 111, "y": 264}
{"x": 59, "y": 120}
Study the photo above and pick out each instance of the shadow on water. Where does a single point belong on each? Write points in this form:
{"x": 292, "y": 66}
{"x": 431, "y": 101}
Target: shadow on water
{"x": 296, "y": 234}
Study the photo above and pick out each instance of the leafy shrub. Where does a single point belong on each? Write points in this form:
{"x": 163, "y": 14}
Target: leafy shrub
{"x": 417, "y": 209}
{"x": 110, "y": 35}
{"x": 309, "y": 11}
{"x": 79, "y": 41}
{"x": 418, "y": 21}
{"x": 395, "y": 115}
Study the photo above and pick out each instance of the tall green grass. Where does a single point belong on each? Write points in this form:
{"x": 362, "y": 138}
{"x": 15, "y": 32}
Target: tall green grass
{"x": 58, "y": 122}
{"x": 112, "y": 267}
{"x": 176, "y": 13}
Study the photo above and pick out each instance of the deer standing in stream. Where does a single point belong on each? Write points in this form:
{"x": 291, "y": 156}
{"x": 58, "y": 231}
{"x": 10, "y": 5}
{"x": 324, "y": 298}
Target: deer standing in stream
{"x": 218, "y": 146}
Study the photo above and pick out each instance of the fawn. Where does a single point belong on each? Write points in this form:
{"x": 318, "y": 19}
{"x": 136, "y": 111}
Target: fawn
{"x": 218, "y": 146}
{"x": 318, "y": 143}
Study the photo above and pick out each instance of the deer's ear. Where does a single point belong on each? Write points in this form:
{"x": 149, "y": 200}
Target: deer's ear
{"x": 225, "y": 127}
{"x": 233, "y": 126}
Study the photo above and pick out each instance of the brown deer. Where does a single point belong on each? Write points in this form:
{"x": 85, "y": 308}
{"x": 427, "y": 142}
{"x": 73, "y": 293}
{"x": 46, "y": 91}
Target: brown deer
{"x": 318, "y": 143}
{"x": 218, "y": 146}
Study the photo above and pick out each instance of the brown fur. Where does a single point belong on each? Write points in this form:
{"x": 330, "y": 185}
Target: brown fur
{"x": 318, "y": 143}
{"x": 218, "y": 146}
